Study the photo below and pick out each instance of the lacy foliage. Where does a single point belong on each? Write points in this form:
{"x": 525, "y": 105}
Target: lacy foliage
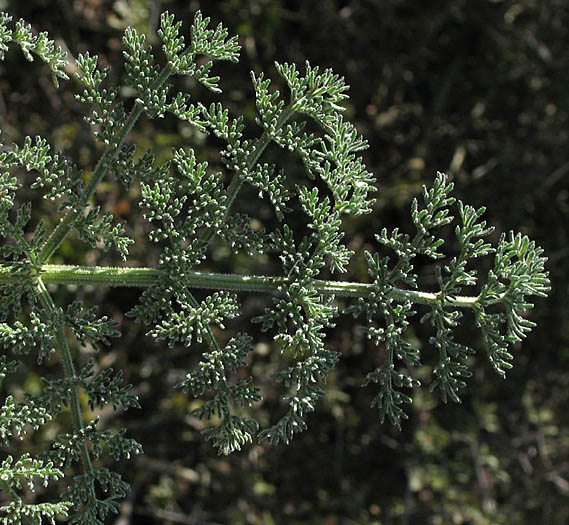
{"x": 186, "y": 204}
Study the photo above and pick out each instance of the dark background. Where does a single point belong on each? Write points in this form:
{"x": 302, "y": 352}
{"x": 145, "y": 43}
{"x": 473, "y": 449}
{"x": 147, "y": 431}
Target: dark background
{"x": 477, "y": 89}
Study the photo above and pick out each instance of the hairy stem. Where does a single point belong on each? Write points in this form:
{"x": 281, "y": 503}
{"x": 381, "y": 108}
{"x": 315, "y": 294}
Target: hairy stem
{"x": 146, "y": 277}
{"x": 69, "y": 370}
{"x": 237, "y": 182}
{"x": 66, "y": 224}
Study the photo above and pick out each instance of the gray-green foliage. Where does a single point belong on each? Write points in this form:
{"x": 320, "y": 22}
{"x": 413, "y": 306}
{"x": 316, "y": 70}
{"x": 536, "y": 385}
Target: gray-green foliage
{"x": 186, "y": 204}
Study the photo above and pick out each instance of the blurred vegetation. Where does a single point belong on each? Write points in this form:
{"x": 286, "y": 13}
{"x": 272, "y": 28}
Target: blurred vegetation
{"x": 478, "y": 89}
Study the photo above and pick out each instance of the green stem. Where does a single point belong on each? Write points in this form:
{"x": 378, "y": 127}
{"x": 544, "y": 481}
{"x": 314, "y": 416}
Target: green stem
{"x": 237, "y": 182}
{"x": 69, "y": 369}
{"x": 9, "y": 490}
{"x": 146, "y": 277}
{"x": 112, "y": 150}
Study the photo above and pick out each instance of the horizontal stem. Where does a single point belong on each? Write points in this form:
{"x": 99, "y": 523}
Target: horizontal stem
{"x": 145, "y": 277}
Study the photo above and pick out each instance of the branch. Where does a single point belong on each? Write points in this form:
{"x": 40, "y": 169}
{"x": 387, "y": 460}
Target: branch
{"x": 147, "y": 277}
